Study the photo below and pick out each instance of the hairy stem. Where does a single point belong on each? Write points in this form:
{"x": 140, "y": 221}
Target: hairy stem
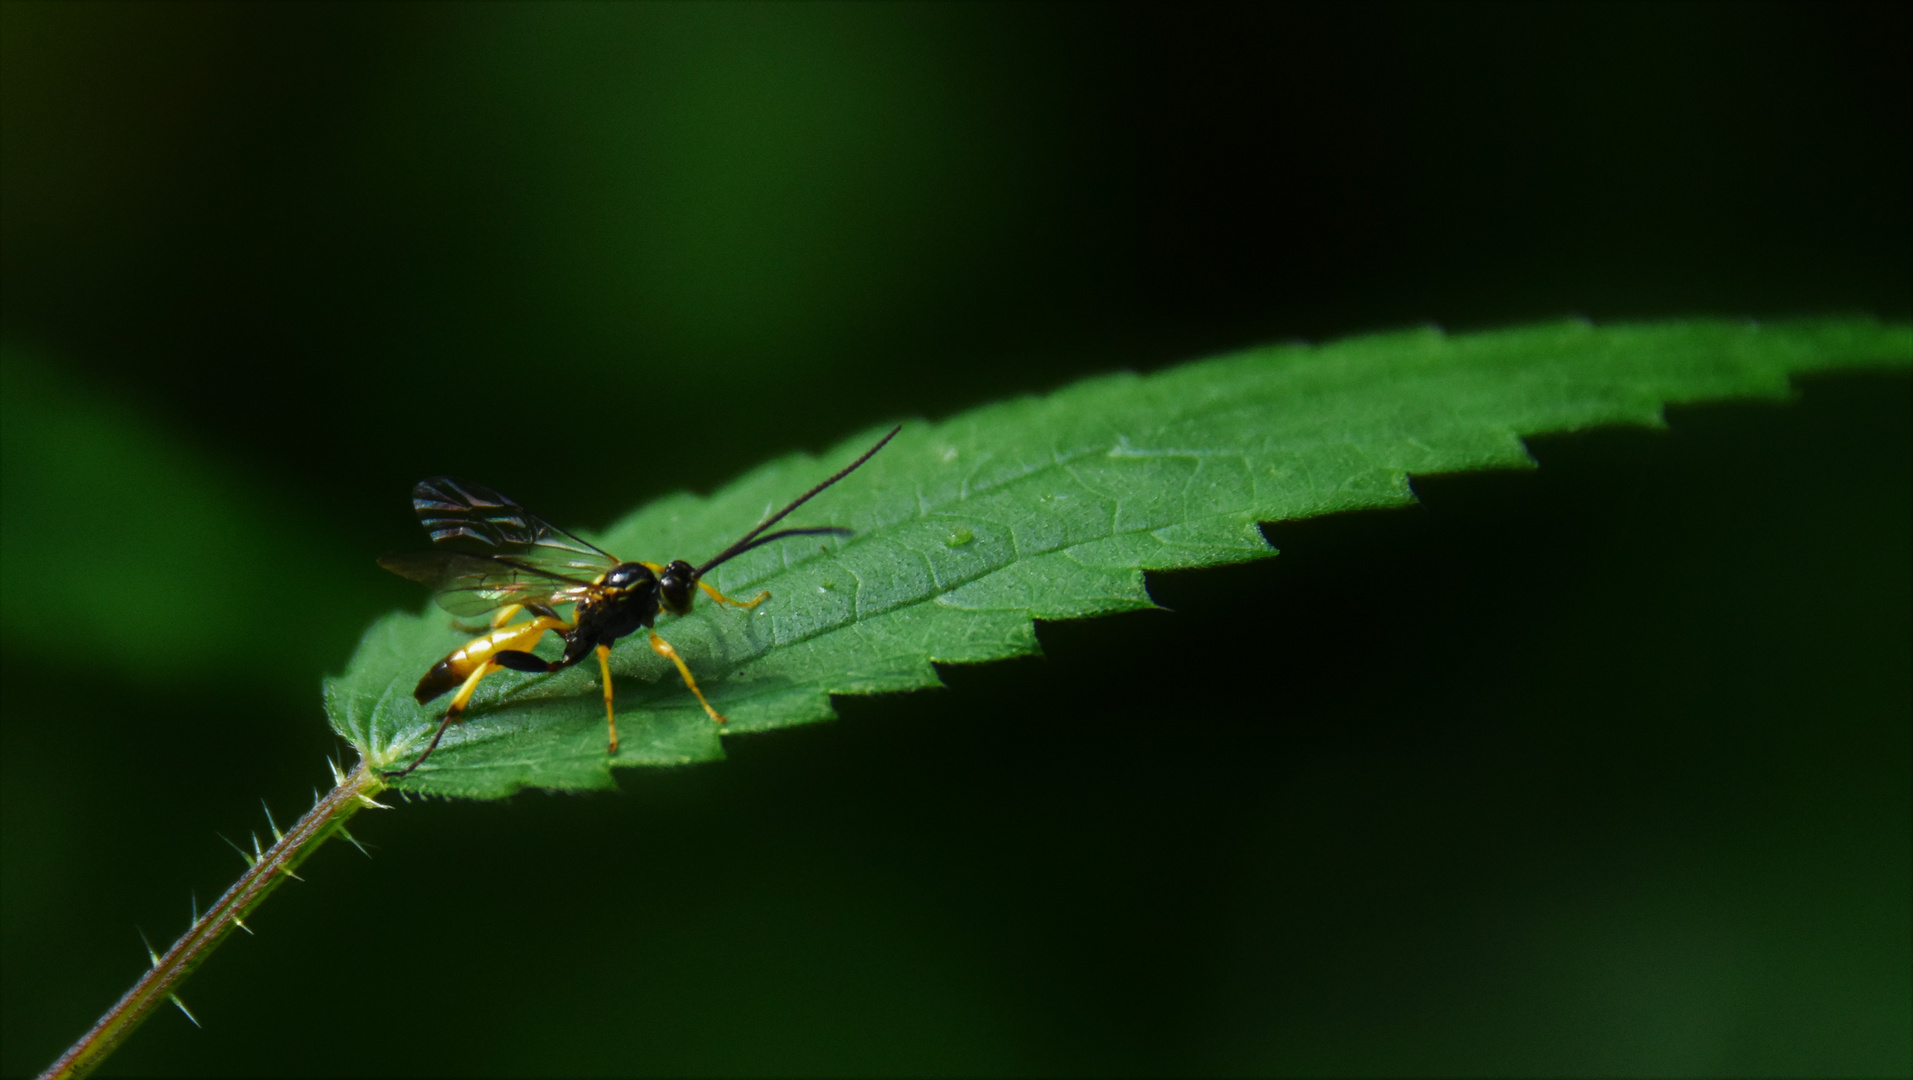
{"x": 160, "y": 984}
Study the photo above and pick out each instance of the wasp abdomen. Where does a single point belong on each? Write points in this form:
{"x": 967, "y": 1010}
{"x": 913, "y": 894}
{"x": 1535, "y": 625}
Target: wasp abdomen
{"x": 452, "y": 671}
{"x": 444, "y": 676}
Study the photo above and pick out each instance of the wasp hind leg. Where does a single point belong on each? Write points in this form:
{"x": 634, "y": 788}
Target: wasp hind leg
{"x": 502, "y": 648}
{"x": 663, "y": 648}
{"x": 452, "y": 712}
{"x": 504, "y": 615}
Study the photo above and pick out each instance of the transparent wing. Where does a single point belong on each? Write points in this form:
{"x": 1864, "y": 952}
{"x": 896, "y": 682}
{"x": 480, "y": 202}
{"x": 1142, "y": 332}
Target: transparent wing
{"x": 473, "y": 520}
{"x": 467, "y": 585}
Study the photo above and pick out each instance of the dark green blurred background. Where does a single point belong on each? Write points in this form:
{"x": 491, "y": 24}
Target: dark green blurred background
{"x": 1601, "y": 769}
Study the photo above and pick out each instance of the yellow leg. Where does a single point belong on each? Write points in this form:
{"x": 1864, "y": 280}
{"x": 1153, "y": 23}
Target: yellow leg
{"x": 610, "y": 718}
{"x": 454, "y": 669}
{"x": 523, "y": 636}
{"x": 663, "y": 648}
{"x": 465, "y": 692}
{"x": 451, "y": 713}
{"x": 499, "y": 618}
{"x": 722, "y": 599}
{"x": 476, "y": 655}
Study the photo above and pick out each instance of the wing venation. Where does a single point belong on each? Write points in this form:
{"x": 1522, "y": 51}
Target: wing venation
{"x": 468, "y": 585}
{"x": 474, "y": 520}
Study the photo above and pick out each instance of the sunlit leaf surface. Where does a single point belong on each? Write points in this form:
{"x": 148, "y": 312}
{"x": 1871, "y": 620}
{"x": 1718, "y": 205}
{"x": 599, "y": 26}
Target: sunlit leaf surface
{"x": 1048, "y": 508}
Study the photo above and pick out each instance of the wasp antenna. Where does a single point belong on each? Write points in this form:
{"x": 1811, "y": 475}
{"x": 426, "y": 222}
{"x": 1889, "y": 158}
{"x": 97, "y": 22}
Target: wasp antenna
{"x": 242, "y": 851}
{"x": 276, "y": 834}
{"x": 826, "y": 530}
{"x": 189, "y": 1013}
{"x": 746, "y": 544}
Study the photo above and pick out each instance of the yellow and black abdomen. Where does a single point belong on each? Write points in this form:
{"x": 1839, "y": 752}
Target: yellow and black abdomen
{"x": 442, "y": 678}
{"x": 452, "y": 671}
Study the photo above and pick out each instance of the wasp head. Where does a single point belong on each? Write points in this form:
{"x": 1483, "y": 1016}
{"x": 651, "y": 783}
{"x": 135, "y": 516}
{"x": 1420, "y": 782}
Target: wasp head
{"x": 676, "y": 587}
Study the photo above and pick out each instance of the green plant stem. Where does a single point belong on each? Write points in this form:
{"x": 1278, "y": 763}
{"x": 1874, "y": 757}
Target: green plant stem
{"x": 268, "y": 869}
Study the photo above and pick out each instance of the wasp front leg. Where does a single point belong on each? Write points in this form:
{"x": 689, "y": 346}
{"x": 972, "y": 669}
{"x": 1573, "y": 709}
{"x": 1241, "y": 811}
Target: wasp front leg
{"x": 711, "y": 591}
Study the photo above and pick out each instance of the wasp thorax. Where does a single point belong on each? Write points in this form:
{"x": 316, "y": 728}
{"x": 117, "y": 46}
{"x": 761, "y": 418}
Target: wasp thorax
{"x": 628, "y": 575}
{"x": 675, "y": 587}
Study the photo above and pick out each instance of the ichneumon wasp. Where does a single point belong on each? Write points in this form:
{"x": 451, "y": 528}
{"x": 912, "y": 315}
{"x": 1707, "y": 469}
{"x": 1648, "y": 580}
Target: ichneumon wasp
{"x": 495, "y": 556}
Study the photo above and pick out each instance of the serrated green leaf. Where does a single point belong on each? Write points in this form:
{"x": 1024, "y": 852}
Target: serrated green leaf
{"x": 1049, "y": 508}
